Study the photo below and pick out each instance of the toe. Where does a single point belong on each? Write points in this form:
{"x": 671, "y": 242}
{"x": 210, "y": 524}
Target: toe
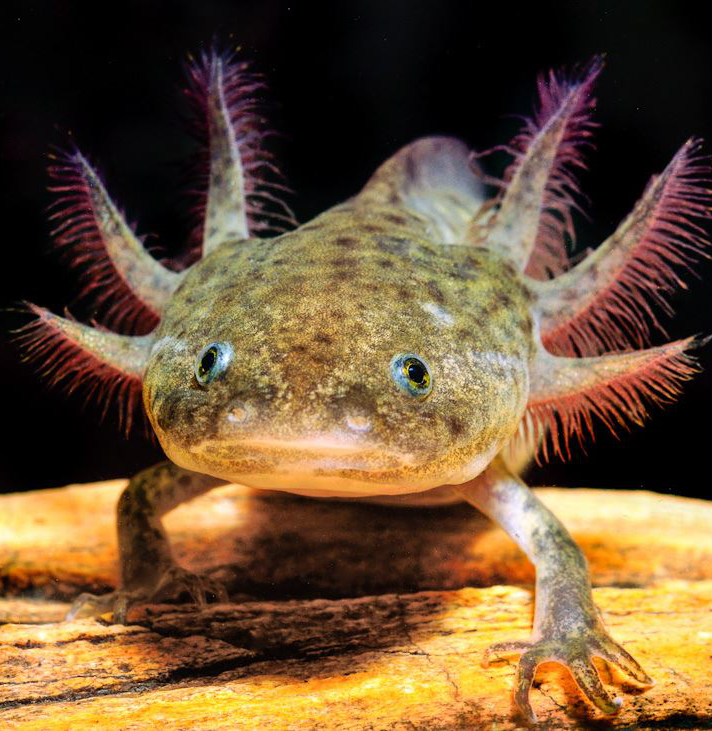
{"x": 79, "y": 606}
{"x": 195, "y": 587}
{"x": 90, "y": 605}
{"x": 117, "y": 603}
{"x": 586, "y": 677}
{"x": 501, "y": 649}
{"x": 121, "y": 608}
{"x": 526, "y": 669}
{"x": 616, "y": 655}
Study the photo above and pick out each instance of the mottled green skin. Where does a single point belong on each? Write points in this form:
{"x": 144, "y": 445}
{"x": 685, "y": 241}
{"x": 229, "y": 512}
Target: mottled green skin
{"x": 315, "y": 317}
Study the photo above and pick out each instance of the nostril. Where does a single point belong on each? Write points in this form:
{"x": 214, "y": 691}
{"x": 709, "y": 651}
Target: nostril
{"x": 237, "y": 413}
{"x": 358, "y": 422}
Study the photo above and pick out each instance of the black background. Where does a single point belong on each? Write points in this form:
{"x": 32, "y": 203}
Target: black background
{"x": 354, "y": 82}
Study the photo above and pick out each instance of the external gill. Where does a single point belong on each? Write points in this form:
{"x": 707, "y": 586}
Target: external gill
{"x": 602, "y": 302}
{"x": 534, "y": 211}
{"x": 567, "y": 393}
{"x": 239, "y": 198}
{"x": 90, "y": 228}
{"x": 71, "y": 354}
{"x": 127, "y": 283}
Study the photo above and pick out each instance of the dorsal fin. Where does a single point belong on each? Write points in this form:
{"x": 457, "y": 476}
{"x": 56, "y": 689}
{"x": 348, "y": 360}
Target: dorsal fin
{"x": 434, "y": 178}
{"x": 534, "y": 209}
{"x": 109, "y": 366}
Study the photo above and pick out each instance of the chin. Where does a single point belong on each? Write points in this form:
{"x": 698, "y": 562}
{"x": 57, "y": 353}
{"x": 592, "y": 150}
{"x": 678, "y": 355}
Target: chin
{"x": 325, "y": 485}
{"x": 327, "y": 471}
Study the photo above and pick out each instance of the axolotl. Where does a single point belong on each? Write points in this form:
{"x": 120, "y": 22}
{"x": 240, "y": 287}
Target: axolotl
{"x": 418, "y": 340}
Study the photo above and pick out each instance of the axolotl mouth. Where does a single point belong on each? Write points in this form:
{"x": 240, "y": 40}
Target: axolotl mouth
{"x": 324, "y": 465}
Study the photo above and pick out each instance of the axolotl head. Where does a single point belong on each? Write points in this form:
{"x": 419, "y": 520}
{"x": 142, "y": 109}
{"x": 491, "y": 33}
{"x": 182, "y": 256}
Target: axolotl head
{"x": 341, "y": 359}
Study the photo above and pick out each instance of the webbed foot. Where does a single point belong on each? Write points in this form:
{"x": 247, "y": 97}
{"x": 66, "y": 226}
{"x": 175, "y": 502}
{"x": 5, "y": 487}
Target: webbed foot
{"x": 173, "y": 582}
{"x": 574, "y": 650}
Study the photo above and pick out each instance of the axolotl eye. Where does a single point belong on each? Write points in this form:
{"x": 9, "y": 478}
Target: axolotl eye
{"x": 212, "y": 362}
{"x": 412, "y": 374}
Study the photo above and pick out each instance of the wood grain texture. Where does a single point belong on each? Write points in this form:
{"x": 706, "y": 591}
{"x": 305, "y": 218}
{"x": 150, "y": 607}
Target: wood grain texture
{"x": 343, "y": 616}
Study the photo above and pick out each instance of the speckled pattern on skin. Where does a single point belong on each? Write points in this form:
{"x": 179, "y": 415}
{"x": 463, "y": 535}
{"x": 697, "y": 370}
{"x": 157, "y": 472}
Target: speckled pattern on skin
{"x": 415, "y": 343}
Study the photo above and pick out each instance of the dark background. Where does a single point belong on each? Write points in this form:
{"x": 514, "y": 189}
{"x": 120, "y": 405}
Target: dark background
{"x": 354, "y": 81}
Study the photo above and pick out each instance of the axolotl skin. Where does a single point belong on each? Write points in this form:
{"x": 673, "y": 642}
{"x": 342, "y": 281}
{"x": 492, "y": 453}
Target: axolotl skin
{"x": 416, "y": 342}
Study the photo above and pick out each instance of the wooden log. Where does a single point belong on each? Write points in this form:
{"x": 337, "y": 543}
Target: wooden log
{"x": 342, "y": 615}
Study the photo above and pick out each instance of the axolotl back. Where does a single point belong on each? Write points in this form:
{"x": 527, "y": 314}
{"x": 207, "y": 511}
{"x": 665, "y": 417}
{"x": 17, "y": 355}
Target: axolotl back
{"x": 415, "y": 339}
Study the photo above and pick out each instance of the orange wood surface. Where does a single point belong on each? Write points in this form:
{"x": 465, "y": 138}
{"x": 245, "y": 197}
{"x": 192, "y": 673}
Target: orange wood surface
{"x": 343, "y": 616}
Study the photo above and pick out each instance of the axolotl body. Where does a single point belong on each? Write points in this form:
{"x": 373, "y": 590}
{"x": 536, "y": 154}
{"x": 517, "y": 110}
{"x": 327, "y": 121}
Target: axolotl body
{"x": 415, "y": 340}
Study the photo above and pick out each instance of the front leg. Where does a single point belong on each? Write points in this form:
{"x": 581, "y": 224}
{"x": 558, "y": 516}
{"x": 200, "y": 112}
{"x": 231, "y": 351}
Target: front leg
{"x": 148, "y": 570}
{"x": 567, "y": 625}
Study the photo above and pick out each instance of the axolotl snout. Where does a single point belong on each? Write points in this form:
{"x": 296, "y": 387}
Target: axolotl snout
{"x": 417, "y": 341}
